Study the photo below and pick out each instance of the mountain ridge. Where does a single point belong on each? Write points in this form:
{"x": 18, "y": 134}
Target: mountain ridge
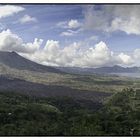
{"x": 100, "y": 70}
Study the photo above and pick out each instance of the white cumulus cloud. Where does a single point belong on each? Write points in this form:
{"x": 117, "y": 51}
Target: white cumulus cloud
{"x": 11, "y": 42}
{"x": 126, "y": 59}
{"x": 73, "y": 23}
{"x": 72, "y": 27}
{"x": 27, "y": 19}
{"x": 9, "y": 10}
{"x": 137, "y": 54}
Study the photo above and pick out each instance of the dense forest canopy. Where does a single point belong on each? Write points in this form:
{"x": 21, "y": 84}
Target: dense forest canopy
{"x": 26, "y": 115}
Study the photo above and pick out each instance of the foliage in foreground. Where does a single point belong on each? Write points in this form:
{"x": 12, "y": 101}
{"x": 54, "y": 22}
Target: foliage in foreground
{"x": 25, "y": 115}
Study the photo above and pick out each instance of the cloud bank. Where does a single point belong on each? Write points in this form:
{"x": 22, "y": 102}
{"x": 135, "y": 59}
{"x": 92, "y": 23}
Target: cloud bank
{"x": 111, "y": 18}
{"x": 72, "y": 55}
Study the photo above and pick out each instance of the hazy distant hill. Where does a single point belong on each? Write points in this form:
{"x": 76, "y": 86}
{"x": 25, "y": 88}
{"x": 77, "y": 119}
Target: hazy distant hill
{"x": 101, "y": 70}
{"x": 13, "y": 60}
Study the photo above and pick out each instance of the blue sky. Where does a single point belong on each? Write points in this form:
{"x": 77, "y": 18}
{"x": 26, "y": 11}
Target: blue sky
{"x": 116, "y": 26}
{"x": 47, "y": 17}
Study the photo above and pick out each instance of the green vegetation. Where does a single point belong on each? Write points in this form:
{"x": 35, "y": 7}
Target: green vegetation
{"x": 28, "y": 115}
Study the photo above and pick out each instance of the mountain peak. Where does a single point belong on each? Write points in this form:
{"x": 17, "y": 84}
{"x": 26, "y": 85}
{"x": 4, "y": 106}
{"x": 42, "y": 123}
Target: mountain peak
{"x": 13, "y": 52}
{"x": 14, "y": 60}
